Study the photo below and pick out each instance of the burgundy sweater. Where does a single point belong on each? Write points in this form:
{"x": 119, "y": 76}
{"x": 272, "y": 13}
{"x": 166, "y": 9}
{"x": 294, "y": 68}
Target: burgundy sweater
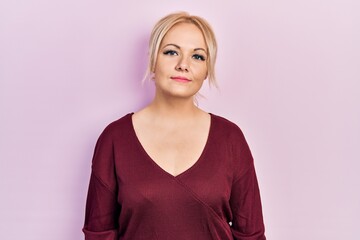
{"x": 132, "y": 198}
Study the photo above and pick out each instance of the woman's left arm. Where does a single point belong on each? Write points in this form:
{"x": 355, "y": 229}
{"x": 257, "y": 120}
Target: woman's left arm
{"x": 247, "y": 223}
{"x": 245, "y": 203}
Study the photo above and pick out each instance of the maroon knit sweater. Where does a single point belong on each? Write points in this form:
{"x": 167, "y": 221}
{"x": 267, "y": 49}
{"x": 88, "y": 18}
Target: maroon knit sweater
{"x": 132, "y": 198}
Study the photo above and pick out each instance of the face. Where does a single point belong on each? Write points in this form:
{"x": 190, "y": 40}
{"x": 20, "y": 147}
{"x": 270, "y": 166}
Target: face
{"x": 181, "y": 64}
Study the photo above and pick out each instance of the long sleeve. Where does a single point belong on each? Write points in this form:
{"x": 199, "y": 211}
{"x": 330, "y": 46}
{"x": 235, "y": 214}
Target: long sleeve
{"x": 246, "y": 207}
{"x": 245, "y": 203}
{"x": 102, "y": 209}
{"x": 131, "y": 197}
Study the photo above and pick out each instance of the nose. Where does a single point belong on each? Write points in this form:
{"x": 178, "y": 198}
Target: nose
{"x": 182, "y": 65}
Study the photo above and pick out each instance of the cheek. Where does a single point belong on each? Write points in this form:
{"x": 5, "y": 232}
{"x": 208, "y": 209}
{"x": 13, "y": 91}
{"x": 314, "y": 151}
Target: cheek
{"x": 202, "y": 72}
{"x": 158, "y": 70}
{"x": 163, "y": 66}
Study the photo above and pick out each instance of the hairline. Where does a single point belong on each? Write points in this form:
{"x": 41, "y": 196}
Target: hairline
{"x": 163, "y": 26}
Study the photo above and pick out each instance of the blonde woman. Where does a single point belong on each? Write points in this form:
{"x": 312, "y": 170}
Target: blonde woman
{"x": 172, "y": 171}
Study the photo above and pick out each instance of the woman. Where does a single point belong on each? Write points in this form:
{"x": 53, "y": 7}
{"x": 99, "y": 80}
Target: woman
{"x": 171, "y": 170}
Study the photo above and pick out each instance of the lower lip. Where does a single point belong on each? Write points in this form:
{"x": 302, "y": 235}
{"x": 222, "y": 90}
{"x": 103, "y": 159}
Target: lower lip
{"x": 181, "y": 80}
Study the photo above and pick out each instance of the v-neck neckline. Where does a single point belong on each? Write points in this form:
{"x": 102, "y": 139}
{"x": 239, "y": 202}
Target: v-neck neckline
{"x": 157, "y": 166}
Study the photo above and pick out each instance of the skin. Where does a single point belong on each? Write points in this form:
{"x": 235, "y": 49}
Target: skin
{"x": 172, "y": 130}
{"x": 182, "y": 53}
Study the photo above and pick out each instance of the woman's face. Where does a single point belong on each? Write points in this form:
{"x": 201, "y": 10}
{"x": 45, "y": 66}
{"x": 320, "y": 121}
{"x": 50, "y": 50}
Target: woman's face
{"x": 181, "y": 65}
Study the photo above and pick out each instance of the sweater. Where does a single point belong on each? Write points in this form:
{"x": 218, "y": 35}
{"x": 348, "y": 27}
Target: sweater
{"x": 130, "y": 197}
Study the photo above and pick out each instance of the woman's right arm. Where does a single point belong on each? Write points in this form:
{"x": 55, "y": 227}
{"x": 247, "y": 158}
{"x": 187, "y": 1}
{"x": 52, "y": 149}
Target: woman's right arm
{"x": 102, "y": 208}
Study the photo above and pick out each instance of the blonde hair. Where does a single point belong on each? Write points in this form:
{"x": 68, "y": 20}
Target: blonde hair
{"x": 166, "y": 23}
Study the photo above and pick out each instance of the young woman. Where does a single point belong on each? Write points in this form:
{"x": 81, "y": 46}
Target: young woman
{"x": 172, "y": 171}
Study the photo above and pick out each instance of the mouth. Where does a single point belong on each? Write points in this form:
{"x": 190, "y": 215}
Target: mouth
{"x": 180, "y": 79}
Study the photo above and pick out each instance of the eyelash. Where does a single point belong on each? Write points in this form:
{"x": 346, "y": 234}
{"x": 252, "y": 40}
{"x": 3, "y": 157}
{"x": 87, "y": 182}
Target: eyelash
{"x": 199, "y": 57}
{"x": 195, "y": 56}
{"x": 170, "y": 52}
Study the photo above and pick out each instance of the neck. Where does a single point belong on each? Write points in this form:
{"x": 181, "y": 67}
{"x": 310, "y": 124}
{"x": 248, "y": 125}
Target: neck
{"x": 179, "y": 108}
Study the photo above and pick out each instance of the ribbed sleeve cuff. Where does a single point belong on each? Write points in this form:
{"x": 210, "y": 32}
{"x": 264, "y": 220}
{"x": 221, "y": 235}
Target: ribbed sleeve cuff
{"x": 103, "y": 235}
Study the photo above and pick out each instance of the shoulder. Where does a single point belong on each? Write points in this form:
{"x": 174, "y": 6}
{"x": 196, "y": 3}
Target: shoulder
{"x": 117, "y": 128}
{"x": 112, "y": 135}
{"x": 226, "y": 127}
{"x": 223, "y": 121}
{"x": 229, "y": 134}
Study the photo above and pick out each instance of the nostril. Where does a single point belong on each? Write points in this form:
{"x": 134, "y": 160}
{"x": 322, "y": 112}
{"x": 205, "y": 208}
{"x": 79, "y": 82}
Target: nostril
{"x": 182, "y": 67}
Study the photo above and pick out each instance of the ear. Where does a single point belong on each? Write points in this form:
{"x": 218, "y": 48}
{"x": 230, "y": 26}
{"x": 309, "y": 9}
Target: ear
{"x": 152, "y": 76}
{"x": 206, "y": 76}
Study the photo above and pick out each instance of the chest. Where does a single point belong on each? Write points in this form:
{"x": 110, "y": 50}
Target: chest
{"x": 144, "y": 182}
{"x": 174, "y": 151}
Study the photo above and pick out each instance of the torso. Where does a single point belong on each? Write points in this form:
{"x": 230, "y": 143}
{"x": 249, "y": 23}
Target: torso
{"x": 150, "y": 203}
{"x": 173, "y": 146}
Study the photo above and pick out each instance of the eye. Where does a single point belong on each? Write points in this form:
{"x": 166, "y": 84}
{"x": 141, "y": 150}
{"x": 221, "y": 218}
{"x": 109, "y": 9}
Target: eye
{"x": 170, "y": 52}
{"x": 199, "y": 57}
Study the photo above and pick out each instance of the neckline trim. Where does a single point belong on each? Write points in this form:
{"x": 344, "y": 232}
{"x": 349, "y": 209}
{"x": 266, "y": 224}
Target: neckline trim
{"x": 157, "y": 166}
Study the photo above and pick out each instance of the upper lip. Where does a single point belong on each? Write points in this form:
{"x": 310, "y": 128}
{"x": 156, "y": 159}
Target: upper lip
{"x": 180, "y": 77}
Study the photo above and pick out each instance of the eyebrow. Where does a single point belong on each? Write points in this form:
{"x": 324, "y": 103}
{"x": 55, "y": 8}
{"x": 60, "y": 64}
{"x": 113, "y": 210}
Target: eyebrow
{"x": 178, "y": 47}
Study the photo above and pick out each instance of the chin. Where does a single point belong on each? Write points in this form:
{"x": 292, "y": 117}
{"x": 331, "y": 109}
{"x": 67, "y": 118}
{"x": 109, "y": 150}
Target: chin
{"x": 182, "y": 94}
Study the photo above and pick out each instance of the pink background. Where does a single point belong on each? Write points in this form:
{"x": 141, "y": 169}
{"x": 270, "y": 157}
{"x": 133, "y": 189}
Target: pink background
{"x": 289, "y": 76}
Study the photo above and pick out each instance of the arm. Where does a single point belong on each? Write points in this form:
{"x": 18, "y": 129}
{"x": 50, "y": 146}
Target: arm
{"x": 246, "y": 208}
{"x": 245, "y": 203}
{"x": 102, "y": 209}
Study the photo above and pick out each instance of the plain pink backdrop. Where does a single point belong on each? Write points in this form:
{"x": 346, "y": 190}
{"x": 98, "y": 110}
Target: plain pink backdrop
{"x": 289, "y": 76}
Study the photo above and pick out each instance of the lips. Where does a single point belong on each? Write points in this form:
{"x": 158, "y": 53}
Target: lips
{"x": 181, "y": 79}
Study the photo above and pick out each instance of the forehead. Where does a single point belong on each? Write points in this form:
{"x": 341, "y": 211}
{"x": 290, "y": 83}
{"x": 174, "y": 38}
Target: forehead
{"x": 187, "y": 34}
